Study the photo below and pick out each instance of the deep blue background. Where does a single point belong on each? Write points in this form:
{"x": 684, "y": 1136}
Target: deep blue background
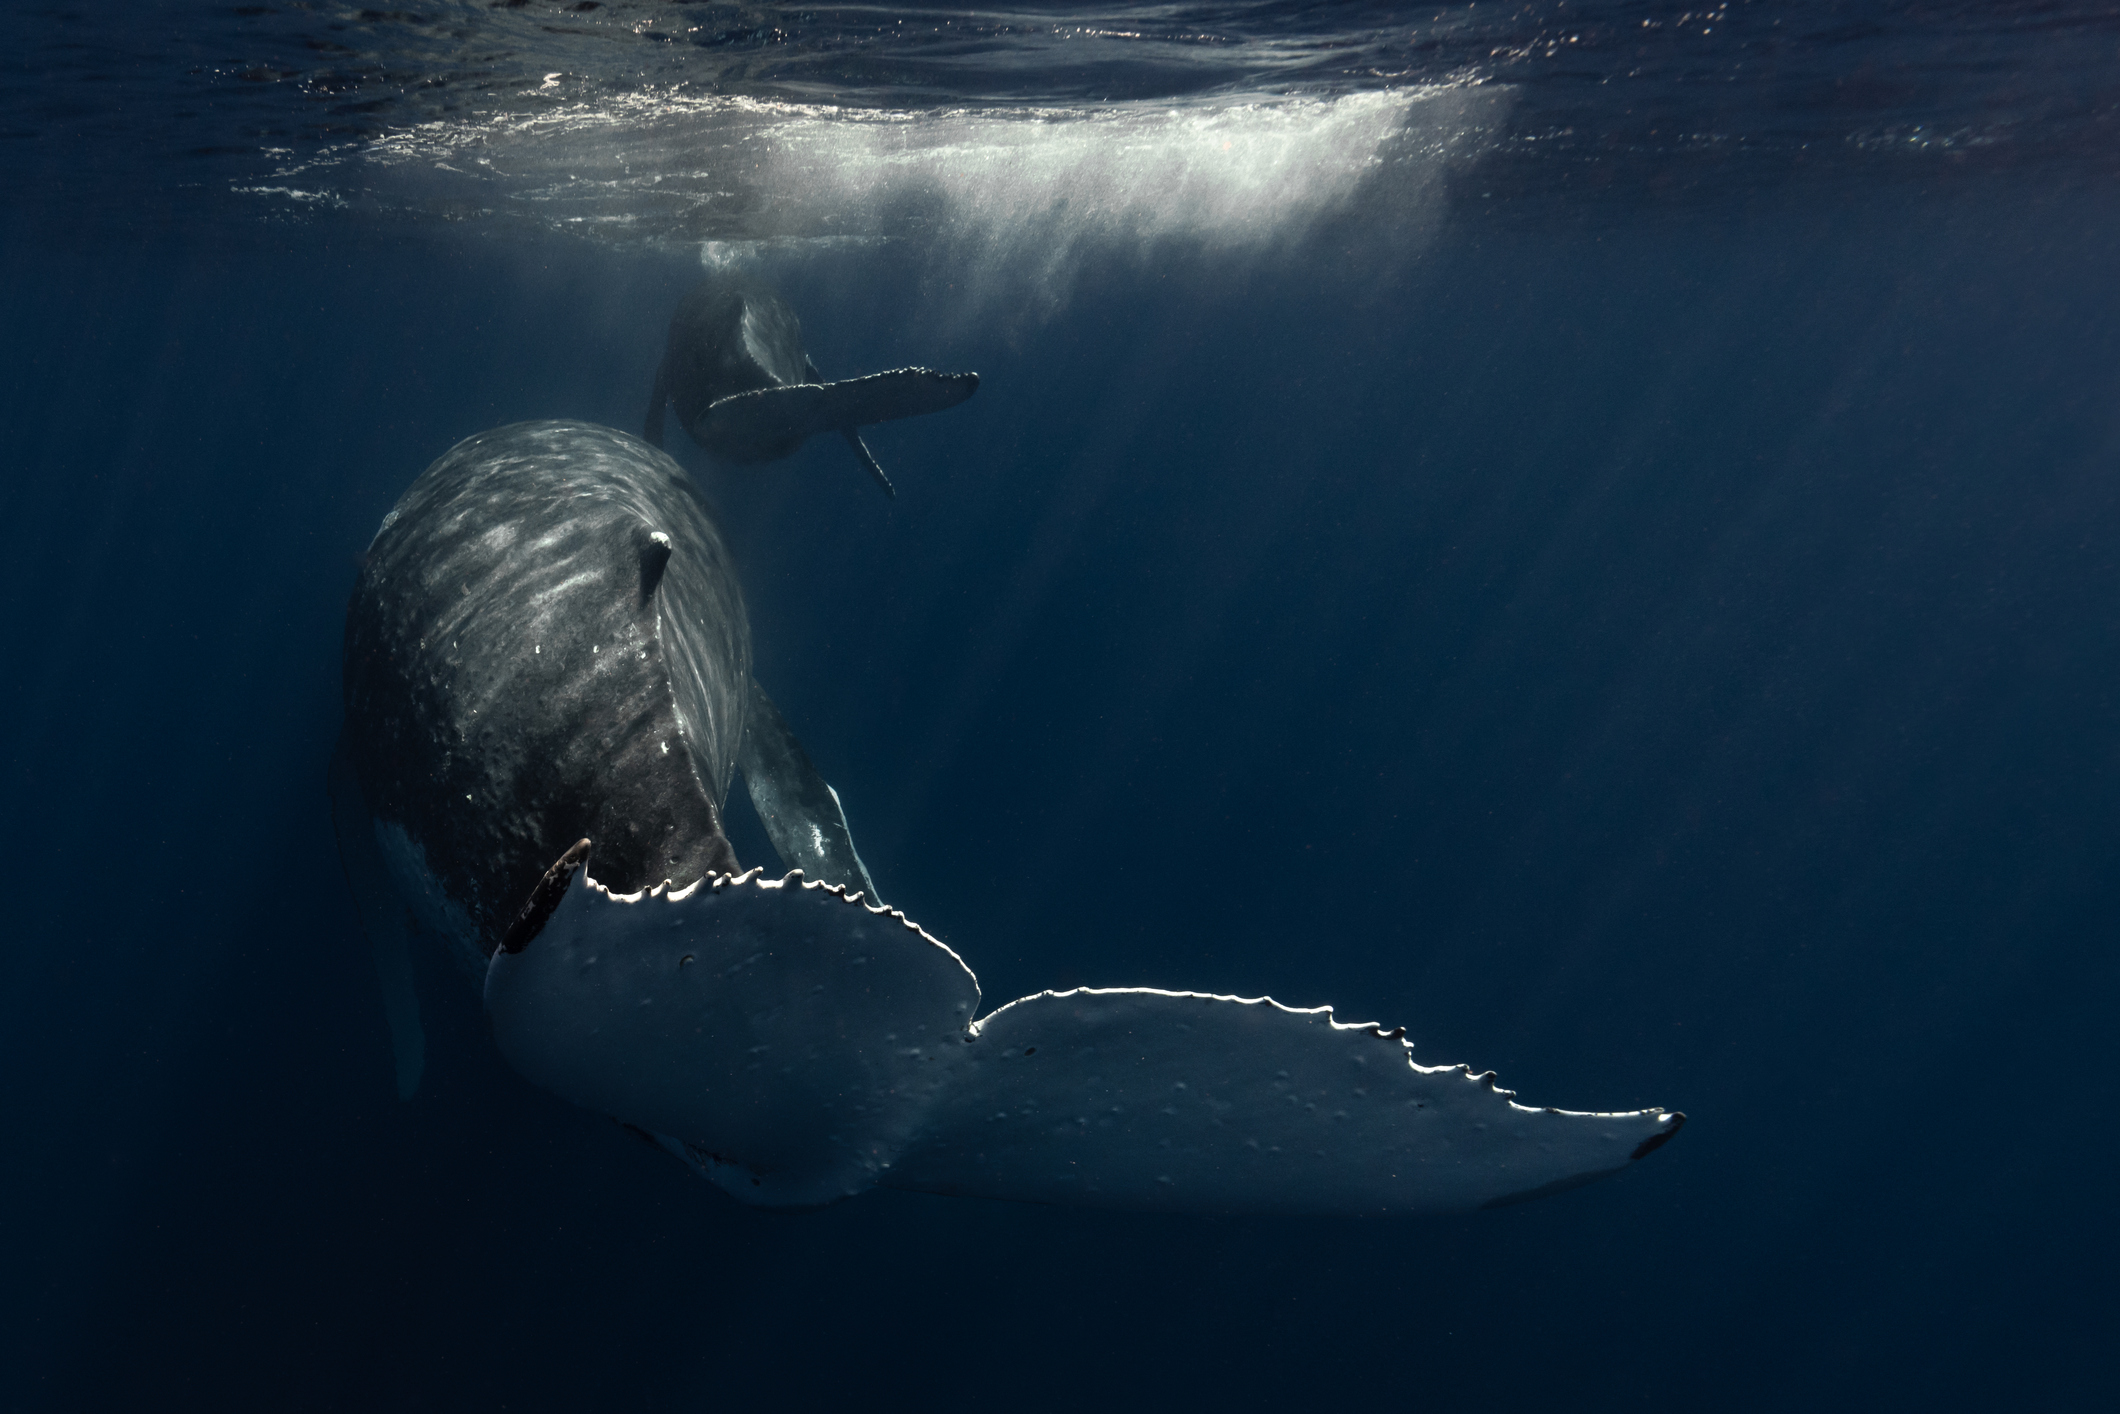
{"x": 1666, "y": 659}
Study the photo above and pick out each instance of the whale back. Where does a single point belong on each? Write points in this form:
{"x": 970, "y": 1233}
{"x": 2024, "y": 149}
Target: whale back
{"x": 547, "y": 642}
{"x": 729, "y": 335}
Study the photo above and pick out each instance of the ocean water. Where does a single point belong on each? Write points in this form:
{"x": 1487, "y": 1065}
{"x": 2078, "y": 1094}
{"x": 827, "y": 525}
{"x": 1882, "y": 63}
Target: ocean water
{"x": 1591, "y": 532}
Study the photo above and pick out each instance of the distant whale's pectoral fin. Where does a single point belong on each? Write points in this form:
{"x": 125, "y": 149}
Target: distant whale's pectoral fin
{"x": 800, "y": 811}
{"x": 766, "y": 422}
{"x": 383, "y": 919}
{"x": 780, "y": 1037}
{"x": 1146, "y": 1099}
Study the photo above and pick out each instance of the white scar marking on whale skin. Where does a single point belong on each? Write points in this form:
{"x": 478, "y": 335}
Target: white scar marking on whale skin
{"x": 544, "y": 599}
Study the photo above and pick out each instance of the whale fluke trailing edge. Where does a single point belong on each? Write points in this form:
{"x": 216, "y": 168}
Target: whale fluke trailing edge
{"x": 734, "y": 367}
{"x": 548, "y": 695}
{"x": 817, "y": 1045}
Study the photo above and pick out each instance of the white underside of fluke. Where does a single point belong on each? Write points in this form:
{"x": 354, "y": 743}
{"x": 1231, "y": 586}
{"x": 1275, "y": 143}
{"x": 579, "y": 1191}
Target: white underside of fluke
{"x": 790, "y": 1035}
{"x": 1182, "y": 1101}
{"x": 796, "y": 1046}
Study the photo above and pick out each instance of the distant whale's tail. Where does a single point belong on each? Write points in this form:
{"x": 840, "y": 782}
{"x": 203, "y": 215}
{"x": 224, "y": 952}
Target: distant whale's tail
{"x": 868, "y": 461}
{"x": 766, "y": 423}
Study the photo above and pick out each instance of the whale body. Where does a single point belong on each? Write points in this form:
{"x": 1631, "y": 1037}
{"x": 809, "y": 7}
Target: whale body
{"x": 548, "y": 695}
{"x": 734, "y": 367}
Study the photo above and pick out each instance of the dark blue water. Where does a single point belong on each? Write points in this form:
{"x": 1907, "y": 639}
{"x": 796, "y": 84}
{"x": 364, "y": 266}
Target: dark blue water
{"x": 1640, "y": 615}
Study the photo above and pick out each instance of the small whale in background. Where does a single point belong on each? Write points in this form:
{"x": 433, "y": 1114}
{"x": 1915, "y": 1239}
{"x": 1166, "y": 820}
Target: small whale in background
{"x": 548, "y": 677}
{"x": 734, "y": 367}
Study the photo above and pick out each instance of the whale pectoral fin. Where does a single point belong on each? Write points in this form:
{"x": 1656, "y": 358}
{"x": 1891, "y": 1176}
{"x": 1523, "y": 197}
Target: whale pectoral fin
{"x": 776, "y": 1035}
{"x": 760, "y": 424}
{"x": 1147, "y": 1099}
{"x": 383, "y": 919}
{"x": 800, "y": 811}
{"x": 652, "y": 427}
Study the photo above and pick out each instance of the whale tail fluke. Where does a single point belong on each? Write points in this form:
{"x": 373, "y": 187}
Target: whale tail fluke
{"x": 868, "y": 461}
{"x": 1139, "y": 1098}
{"x": 767, "y": 423}
{"x": 796, "y": 1045}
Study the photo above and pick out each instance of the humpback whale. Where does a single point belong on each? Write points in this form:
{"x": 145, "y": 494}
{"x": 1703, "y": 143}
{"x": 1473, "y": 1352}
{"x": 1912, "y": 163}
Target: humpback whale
{"x": 734, "y": 366}
{"x": 548, "y": 695}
